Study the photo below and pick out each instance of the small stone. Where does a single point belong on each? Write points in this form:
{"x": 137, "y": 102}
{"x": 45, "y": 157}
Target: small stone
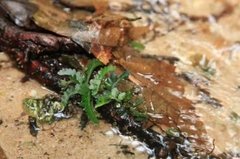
{"x": 140, "y": 149}
{"x": 109, "y": 133}
{"x": 33, "y": 93}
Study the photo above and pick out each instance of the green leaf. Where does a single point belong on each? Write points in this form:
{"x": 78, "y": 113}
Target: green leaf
{"x": 71, "y": 91}
{"x": 96, "y": 82}
{"x": 121, "y": 96}
{"x": 137, "y": 45}
{"x": 67, "y": 72}
{"x": 91, "y": 67}
{"x": 74, "y": 76}
{"x": 94, "y": 85}
{"x": 88, "y": 103}
{"x": 95, "y": 91}
{"x": 117, "y": 95}
{"x": 103, "y": 100}
{"x": 114, "y": 93}
{"x": 110, "y": 80}
{"x": 64, "y": 84}
{"x": 123, "y": 76}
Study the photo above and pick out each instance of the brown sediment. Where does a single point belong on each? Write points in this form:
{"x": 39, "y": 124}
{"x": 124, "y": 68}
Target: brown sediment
{"x": 2, "y": 154}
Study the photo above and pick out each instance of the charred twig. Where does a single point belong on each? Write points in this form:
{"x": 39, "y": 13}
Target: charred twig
{"x": 206, "y": 98}
{"x": 162, "y": 146}
{"x": 33, "y": 42}
{"x": 33, "y": 126}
